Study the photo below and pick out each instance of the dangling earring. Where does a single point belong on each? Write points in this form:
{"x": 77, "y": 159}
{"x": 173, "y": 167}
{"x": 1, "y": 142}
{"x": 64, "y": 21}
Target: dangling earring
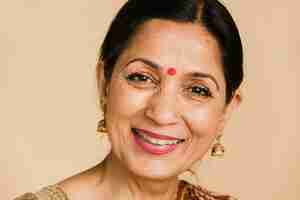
{"x": 101, "y": 128}
{"x": 218, "y": 150}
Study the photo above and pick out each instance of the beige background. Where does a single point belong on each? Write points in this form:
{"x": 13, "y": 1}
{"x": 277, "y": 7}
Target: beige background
{"x": 48, "y": 105}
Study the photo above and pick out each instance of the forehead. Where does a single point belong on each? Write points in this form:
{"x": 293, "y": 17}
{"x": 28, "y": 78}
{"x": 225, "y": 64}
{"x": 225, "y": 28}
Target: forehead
{"x": 184, "y": 46}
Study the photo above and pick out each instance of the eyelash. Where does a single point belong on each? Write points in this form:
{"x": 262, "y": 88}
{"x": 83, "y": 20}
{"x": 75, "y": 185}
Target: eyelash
{"x": 200, "y": 91}
{"x": 138, "y": 78}
{"x": 141, "y": 79}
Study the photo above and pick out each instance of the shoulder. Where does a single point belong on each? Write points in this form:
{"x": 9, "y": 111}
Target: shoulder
{"x": 83, "y": 185}
{"x": 52, "y": 192}
{"x": 75, "y": 187}
{"x": 27, "y": 196}
{"x": 197, "y": 192}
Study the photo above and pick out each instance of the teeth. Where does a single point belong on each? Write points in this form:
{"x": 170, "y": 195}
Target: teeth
{"x": 156, "y": 141}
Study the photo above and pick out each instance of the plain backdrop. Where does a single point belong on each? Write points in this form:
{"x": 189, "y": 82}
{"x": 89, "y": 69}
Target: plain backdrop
{"x": 48, "y": 110}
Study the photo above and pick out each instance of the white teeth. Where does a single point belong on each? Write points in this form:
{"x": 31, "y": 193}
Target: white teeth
{"x": 156, "y": 141}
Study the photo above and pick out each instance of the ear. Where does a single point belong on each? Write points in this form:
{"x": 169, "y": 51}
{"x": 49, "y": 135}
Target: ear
{"x": 229, "y": 109}
{"x": 101, "y": 81}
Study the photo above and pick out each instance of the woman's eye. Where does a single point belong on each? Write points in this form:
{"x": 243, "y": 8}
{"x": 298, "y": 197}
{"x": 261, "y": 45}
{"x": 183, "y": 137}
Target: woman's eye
{"x": 139, "y": 78}
{"x": 200, "y": 91}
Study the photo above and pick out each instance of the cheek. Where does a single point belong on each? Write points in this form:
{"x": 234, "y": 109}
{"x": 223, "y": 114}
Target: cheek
{"x": 123, "y": 101}
{"x": 120, "y": 107}
{"x": 203, "y": 122}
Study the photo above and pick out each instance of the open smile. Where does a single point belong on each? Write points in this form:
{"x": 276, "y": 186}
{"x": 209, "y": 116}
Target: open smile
{"x": 154, "y": 143}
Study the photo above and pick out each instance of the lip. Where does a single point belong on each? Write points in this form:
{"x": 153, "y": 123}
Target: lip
{"x": 157, "y": 135}
{"x": 151, "y": 148}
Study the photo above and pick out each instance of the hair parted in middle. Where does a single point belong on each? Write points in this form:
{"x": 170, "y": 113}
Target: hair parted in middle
{"x": 208, "y": 13}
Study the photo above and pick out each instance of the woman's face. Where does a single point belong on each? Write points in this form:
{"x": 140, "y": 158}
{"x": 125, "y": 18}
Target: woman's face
{"x": 168, "y": 82}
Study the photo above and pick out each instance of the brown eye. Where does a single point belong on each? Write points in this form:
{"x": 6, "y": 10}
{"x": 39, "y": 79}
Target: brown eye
{"x": 137, "y": 77}
{"x": 141, "y": 80}
{"x": 200, "y": 91}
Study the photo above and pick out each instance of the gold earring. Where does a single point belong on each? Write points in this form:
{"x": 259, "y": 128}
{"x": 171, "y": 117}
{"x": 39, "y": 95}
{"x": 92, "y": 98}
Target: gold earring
{"x": 101, "y": 128}
{"x": 218, "y": 150}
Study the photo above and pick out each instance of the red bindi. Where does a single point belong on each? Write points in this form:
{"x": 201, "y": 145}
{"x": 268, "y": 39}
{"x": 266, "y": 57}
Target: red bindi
{"x": 171, "y": 71}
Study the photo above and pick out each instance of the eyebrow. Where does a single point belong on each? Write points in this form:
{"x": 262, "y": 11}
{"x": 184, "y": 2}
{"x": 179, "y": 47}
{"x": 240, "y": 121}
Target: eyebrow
{"x": 205, "y": 75}
{"x": 193, "y": 74}
{"x": 146, "y": 61}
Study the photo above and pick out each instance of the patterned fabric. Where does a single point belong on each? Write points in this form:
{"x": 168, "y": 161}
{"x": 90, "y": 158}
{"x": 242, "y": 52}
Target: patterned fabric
{"x": 27, "y": 196}
{"x": 189, "y": 191}
{"x": 52, "y": 192}
{"x": 186, "y": 191}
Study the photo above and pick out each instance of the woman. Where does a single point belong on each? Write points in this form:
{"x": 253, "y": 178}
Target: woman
{"x": 168, "y": 75}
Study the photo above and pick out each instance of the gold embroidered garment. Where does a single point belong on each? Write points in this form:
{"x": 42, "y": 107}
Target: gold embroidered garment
{"x": 52, "y": 192}
{"x": 186, "y": 191}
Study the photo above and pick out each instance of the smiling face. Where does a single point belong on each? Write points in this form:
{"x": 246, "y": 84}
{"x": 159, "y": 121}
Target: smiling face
{"x": 168, "y": 82}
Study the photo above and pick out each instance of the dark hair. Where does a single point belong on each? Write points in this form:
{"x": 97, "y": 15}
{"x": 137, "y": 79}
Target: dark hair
{"x": 210, "y": 13}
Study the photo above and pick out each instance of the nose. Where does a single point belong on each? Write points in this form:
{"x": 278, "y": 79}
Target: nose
{"x": 162, "y": 109}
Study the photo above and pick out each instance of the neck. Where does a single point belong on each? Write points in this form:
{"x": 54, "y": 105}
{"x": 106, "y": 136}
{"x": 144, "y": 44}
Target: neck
{"x": 119, "y": 183}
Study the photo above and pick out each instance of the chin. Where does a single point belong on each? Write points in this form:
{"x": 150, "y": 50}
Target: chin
{"x": 158, "y": 165}
{"x": 154, "y": 170}
{"x": 145, "y": 155}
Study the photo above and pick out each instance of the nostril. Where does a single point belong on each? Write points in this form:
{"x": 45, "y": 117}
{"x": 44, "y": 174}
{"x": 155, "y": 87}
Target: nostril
{"x": 162, "y": 116}
{"x": 162, "y": 107}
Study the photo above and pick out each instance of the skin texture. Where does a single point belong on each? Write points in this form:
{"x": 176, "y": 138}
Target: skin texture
{"x": 189, "y": 105}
